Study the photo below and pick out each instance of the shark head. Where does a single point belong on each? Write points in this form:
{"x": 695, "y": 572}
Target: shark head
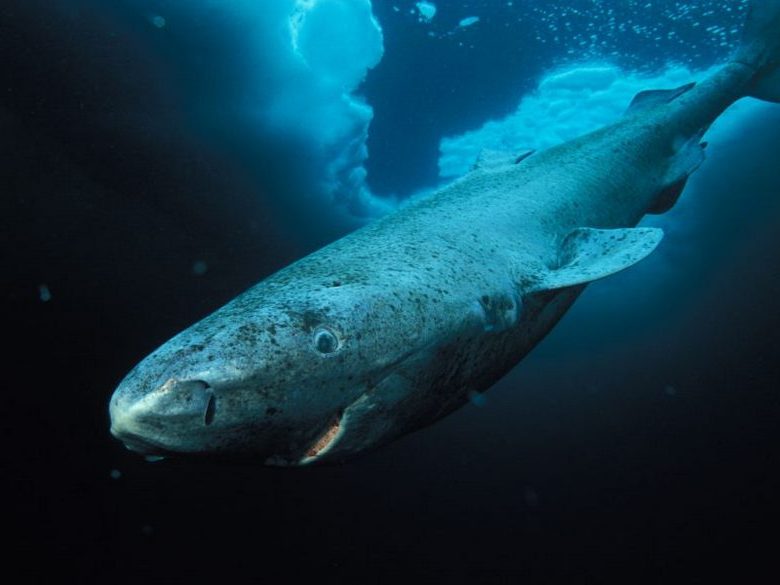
{"x": 284, "y": 374}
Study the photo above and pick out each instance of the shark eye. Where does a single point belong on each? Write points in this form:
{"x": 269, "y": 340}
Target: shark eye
{"x": 325, "y": 341}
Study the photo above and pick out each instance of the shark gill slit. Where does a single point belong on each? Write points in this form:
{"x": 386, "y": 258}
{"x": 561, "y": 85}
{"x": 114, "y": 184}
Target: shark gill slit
{"x": 211, "y": 408}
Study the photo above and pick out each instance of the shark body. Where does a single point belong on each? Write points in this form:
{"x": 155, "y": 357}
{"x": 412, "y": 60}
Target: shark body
{"x": 397, "y": 324}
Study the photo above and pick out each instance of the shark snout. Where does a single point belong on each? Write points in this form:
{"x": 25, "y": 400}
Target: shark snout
{"x": 163, "y": 419}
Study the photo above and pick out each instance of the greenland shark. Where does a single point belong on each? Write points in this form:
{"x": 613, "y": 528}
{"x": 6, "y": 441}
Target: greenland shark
{"x": 399, "y": 323}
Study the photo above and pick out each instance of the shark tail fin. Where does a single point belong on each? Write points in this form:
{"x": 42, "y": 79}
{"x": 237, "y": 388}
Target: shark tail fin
{"x": 760, "y": 49}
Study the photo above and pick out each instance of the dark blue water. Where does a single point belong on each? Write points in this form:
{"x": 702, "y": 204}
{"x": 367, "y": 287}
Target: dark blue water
{"x": 153, "y": 169}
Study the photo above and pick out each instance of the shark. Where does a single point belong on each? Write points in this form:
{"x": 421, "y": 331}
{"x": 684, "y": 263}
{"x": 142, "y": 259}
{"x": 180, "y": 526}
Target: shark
{"x": 399, "y": 323}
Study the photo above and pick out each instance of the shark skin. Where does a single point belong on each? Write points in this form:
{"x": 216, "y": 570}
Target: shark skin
{"x": 397, "y": 324}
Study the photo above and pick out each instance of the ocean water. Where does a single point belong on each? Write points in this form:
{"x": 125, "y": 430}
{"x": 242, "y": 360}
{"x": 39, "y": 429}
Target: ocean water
{"x": 160, "y": 157}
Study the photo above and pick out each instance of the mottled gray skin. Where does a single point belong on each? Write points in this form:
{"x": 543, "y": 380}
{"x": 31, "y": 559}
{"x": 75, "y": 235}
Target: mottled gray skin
{"x": 429, "y": 305}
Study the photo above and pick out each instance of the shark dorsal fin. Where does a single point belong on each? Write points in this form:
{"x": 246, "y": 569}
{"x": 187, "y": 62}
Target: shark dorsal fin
{"x": 653, "y": 97}
{"x": 523, "y": 155}
{"x": 589, "y": 254}
{"x": 491, "y": 159}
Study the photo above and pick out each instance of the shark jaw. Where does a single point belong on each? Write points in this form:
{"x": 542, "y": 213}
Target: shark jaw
{"x": 325, "y": 442}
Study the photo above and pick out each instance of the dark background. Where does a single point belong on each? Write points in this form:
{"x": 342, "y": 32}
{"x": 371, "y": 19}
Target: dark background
{"x": 639, "y": 443}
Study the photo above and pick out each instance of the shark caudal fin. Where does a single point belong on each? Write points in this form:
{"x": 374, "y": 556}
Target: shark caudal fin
{"x": 760, "y": 49}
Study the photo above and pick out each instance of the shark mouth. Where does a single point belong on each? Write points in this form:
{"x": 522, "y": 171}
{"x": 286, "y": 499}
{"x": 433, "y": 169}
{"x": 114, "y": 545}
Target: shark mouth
{"x": 325, "y": 441}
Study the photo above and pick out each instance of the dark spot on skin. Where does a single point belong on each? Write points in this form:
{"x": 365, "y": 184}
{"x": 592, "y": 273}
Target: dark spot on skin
{"x": 248, "y": 333}
{"x": 310, "y": 321}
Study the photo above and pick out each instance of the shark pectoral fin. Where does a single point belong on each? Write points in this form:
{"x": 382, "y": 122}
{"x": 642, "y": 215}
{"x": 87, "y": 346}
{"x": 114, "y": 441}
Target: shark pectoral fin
{"x": 589, "y": 254}
{"x": 653, "y": 97}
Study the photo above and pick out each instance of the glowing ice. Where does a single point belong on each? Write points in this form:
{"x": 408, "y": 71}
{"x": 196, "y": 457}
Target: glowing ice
{"x": 567, "y": 104}
{"x": 301, "y": 62}
{"x": 427, "y": 10}
{"x": 158, "y": 21}
{"x": 334, "y": 43}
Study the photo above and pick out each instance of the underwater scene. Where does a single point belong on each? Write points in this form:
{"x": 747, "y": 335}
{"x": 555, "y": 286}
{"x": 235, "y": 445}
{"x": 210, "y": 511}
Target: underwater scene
{"x": 388, "y": 291}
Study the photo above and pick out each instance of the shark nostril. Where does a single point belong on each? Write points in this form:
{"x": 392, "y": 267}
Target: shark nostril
{"x": 211, "y": 409}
